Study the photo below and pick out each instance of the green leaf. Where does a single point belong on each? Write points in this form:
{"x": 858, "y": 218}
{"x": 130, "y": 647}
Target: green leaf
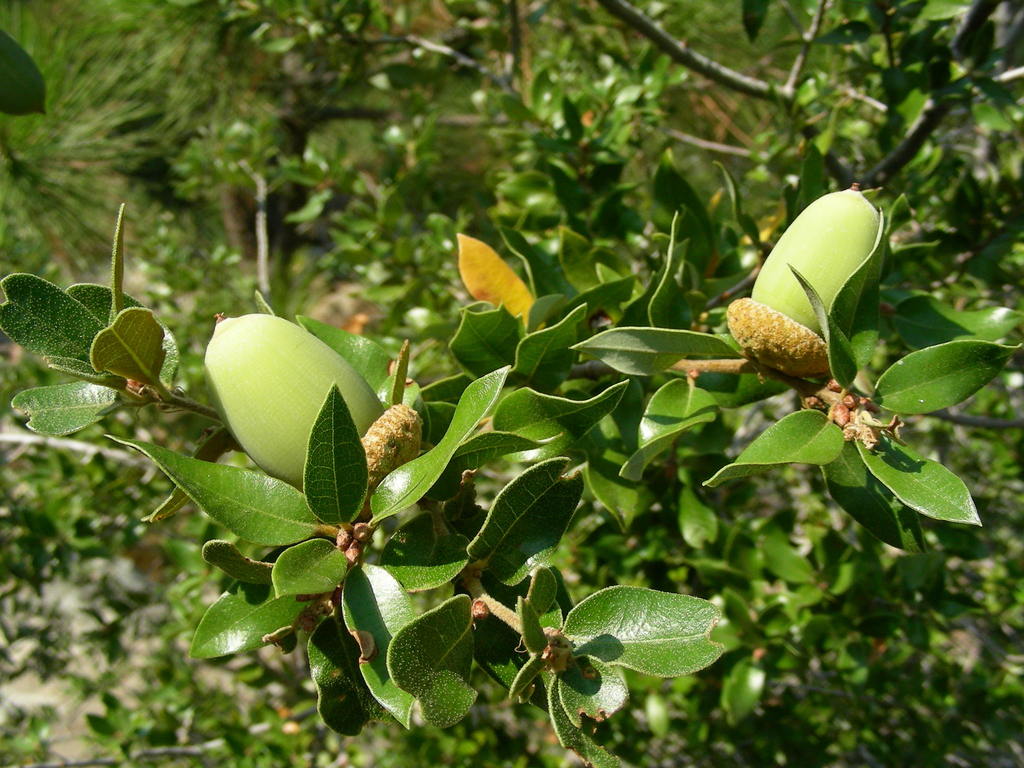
{"x": 544, "y": 358}
{"x": 675, "y": 408}
{"x": 131, "y": 346}
{"x": 211, "y": 447}
{"x": 924, "y": 321}
{"x": 921, "y": 483}
{"x": 343, "y": 701}
{"x": 543, "y": 309}
{"x": 486, "y": 339}
{"x": 656, "y": 633}
{"x": 673, "y": 192}
{"x": 571, "y": 737}
{"x": 64, "y": 408}
{"x": 525, "y": 677}
{"x": 606, "y": 296}
{"x": 310, "y": 568}
{"x": 783, "y": 560}
{"x": 495, "y": 650}
{"x": 448, "y": 389}
{"x": 253, "y": 505}
{"x": 239, "y": 620}
{"x": 420, "y": 558}
{"x": 732, "y": 390}
{"x": 432, "y": 657}
{"x": 646, "y": 351}
{"x": 575, "y": 256}
{"x": 543, "y": 589}
{"x": 365, "y": 355}
{"x": 592, "y": 688}
{"x": 44, "y": 320}
{"x": 697, "y": 521}
{"x": 870, "y": 503}
{"x": 741, "y": 690}
{"x": 623, "y": 499}
{"x": 314, "y": 206}
{"x": 557, "y": 422}
{"x": 411, "y": 481}
{"x": 377, "y": 604}
{"x": 335, "y": 475}
{"x": 98, "y": 299}
{"x": 24, "y": 91}
{"x": 665, "y": 310}
{"x": 746, "y": 222}
{"x": 225, "y": 556}
{"x": 804, "y": 437}
{"x": 541, "y": 267}
{"x": 117, "y": 268}
{"x": 534, "y": 638}
{"x": 855, "y": 307}
{"x": 754, "y": 13}
{"x": 262, "y": 305}
{"x": 940, "y": 376}
{"x": 527, "y": 520}
{"x": 478, "y": 450}
{"x": 841, "y": 362}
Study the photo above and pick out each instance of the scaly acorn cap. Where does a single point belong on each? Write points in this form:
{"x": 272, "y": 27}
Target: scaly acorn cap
{"x": 776, "y": 340}
{"x": 391, "y": 441}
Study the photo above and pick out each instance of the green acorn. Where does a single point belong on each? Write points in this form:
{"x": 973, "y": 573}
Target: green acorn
{"x": 269, "y": 378}
{"x": 826, "y": 243}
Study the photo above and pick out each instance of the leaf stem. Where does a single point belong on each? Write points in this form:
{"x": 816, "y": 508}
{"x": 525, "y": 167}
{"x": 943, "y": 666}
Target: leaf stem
{"x": 167, "y": 397}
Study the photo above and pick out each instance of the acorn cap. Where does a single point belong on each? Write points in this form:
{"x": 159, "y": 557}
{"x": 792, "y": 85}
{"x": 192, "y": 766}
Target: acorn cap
{"x": 776, "y": 340}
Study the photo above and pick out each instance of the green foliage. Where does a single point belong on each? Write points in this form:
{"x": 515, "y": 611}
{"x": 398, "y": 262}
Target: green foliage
{"x": 572, "y": 454}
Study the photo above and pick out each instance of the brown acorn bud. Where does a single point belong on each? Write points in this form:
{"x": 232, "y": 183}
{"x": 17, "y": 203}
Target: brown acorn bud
{"x": 391, "y": 441}
{"x": 776, "y": 340}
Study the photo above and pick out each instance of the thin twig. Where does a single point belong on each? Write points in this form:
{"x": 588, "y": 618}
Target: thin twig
{"x": 460, "y": 58}
{"x": 155, "y": 753}
{"x": 262, "y": 239}
{"x": 985, "y": 422}
{"x": 725, "y": 365}
{"x": 683, "y": 54}
{"x": 787, "y": 6}
{"x": 805, "y": 48}
{"x": 740, "y": 287}
{"x": 1009, "y": 75}
{"x": 934, "y": 111}
{"x": 924, "y": 126}
{"x": 88, "y": 450}
{"x": 395, "y": 116}
{"x": 712, "y": 146}
{"x": 974, "y": 19}
{"x": 856, "y": 95}
{"x": 515, "y": 40}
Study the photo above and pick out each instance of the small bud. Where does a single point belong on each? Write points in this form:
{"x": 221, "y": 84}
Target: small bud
{"x": 834, "y": 386}
{"x": 480, "y": 610}
{"x": 850, "y": 401}
{"x": 354, "y": 553}
{"x": 840, "y": 415}
{"x": 362, "y": 532}
{"x": 344, "y": 537}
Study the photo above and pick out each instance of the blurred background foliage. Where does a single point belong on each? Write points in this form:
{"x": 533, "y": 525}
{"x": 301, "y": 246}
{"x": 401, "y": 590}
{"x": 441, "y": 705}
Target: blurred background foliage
{"x": 328, "y": 152}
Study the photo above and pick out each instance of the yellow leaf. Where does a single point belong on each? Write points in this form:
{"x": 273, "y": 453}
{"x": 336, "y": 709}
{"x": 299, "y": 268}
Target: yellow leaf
{"x": 488, "y": 278}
